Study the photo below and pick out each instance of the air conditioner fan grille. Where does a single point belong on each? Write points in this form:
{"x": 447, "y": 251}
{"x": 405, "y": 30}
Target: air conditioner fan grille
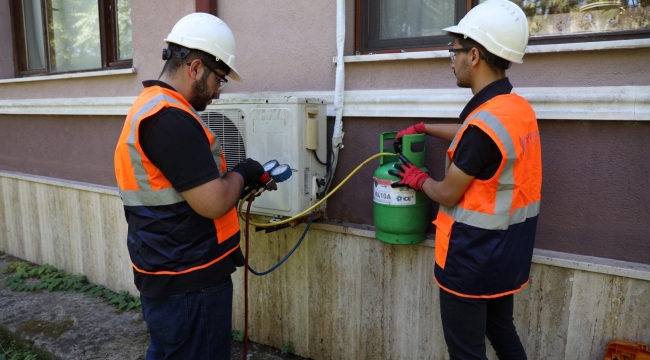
{"x": 228, "y": 126}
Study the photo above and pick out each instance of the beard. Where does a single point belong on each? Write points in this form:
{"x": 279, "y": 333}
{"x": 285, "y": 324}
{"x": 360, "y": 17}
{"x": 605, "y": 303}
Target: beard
{"x": 462, "y": 73}
{"x": 200, "y": 97}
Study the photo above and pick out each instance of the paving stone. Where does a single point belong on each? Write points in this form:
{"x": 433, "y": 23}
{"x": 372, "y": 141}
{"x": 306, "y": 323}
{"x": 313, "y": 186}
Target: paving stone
{"x": 75, "y": 326}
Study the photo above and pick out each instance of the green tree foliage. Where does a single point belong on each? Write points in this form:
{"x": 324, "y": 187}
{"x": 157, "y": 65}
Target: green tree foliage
{"x": 74, "y": 34}
{"x": 124, "y": 29}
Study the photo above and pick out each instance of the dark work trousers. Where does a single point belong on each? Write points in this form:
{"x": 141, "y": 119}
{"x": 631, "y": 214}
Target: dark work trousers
{"x": 193, "y": 326}
{"x": 466, "y": 322}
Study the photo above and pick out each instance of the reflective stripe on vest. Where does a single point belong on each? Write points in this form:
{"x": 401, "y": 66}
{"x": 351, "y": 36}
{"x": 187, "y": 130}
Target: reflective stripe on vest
{"x": 504, "y": 215}
{"x": 145, "y": 195}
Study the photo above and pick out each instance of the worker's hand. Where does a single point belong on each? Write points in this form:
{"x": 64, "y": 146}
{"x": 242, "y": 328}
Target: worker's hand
{"x": 411, "y": 175}
{"x": 411, "y": 130}
{"x": 250, "y": 170}
{"x": 246, "y": 192}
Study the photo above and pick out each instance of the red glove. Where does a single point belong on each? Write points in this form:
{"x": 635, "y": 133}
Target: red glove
{"x": 412, "y": 130}
{"x": 411, "y": 175}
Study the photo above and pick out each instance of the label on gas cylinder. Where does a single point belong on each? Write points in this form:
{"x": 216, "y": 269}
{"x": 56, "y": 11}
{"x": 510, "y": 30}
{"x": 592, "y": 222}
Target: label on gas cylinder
{"x": 384, "y": 194}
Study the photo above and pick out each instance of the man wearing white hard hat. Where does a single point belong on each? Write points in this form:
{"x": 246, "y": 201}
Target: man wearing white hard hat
{"x": 179, "y": 200}
{"x": 490, "y": 195}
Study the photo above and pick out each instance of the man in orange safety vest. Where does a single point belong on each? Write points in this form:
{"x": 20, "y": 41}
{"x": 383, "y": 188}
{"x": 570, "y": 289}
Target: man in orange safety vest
{"x": 490, "y": 195}
{"x": 179, "y": 199}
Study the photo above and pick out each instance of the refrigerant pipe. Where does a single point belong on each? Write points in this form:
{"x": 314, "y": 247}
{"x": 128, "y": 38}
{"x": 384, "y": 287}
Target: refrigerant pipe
{"x": 339, "y": 90}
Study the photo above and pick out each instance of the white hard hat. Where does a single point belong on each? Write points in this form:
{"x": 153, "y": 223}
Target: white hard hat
{"x": 206, "y": 32}
{"x": 499, "y": 25}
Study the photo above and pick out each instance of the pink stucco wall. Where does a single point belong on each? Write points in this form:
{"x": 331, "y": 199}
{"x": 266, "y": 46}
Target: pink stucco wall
{"x": 619, "y": 67}
{"x": 286, "y": 45}
{"x": 67, "y": 147}
{"x": 595, "y": 198}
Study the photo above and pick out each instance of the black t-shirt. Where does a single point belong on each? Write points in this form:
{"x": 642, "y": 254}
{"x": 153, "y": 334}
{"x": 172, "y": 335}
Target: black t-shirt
{"x": 477, "y": 154}
{"x": 176, "y": 143}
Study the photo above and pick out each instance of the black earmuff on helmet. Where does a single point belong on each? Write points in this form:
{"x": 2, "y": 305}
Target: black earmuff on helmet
{"x": 497, "y": 61}
{"x": 168, "y": 54}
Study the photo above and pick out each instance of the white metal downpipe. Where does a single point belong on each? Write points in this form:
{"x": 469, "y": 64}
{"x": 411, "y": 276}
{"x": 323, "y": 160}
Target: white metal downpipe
{"x": 337, "y": 136}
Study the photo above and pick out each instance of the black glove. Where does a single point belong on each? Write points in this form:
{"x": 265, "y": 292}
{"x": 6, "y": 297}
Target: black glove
{"x": 250, "y": 170}
{"x": 397, "y": 146}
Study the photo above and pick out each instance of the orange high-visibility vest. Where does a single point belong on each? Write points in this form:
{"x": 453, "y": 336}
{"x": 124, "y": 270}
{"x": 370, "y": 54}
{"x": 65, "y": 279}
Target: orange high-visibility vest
{"x": 173, "y": 247}
{"x": 484, "y": 243}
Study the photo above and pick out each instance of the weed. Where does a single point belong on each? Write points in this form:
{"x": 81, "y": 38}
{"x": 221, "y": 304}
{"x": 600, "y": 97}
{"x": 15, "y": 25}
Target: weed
{"x": 287, "y": 348}
{"x": 11, "y": 349}
{"x": 237, "y": 335}
{"x": 50, "y": 278}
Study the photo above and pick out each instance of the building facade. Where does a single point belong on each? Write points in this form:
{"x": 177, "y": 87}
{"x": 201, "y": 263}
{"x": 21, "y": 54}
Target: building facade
{"x": 344, "y": 294}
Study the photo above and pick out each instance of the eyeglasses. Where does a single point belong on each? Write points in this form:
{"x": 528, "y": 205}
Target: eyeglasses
{"x": 452, "y": 53}
{"x": 222, "y": 79}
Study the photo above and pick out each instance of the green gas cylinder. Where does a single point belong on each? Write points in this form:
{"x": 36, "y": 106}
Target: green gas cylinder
{"x": 401, "y": 215}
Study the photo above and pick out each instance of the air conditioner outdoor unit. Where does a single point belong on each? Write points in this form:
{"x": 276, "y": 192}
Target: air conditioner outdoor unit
{"x": 290, "y": 130}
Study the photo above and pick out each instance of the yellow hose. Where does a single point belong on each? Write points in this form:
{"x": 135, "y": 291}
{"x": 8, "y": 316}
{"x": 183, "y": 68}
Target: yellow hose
{"x": 241, "y": 203}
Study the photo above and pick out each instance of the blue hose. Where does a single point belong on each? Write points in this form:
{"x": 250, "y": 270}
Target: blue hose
{"x": 290, "y": 252}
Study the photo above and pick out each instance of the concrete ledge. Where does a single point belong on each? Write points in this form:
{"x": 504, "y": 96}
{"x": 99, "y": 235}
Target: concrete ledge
{"x": 531, "y": 49}
{"x": 85, "y": 74}
{"x": 592, "y": 264}
{"x": 71, "y": 184}
{"x": 613, "y": 103}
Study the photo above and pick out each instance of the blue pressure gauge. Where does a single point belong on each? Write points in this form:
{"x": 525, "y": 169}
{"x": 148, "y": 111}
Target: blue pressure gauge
{"x": 269, "y": 165}
{"x": 280, "y": 173}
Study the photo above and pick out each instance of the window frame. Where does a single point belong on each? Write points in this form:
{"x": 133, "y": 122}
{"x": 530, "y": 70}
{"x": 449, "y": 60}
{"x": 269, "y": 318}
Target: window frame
{"x": 107, "y": 35}
{"x": 365, "y": 43}
{"x": 367, "y": 32}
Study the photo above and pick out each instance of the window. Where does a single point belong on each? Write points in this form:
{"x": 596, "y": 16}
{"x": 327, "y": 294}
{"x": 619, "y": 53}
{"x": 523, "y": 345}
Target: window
{"x": 395, "y": 25}
{"x": 408, "y": 25}
{"x": 586, "y": 20}
{"x": 57, "y": 36}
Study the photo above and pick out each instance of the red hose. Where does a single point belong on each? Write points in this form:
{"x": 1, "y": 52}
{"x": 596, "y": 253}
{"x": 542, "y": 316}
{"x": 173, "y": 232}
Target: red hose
{"x": 248, "y": 213}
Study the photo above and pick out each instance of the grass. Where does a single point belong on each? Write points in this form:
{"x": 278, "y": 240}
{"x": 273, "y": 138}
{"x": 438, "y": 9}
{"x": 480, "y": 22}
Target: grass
{"x": 32, "y": 278}
{"x": 10, "y": 349}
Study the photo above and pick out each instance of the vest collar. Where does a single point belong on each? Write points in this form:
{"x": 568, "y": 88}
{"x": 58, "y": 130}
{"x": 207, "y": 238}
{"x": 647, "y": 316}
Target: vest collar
{"x": 150, "y": 83}
{"x": 499, "y": 87}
